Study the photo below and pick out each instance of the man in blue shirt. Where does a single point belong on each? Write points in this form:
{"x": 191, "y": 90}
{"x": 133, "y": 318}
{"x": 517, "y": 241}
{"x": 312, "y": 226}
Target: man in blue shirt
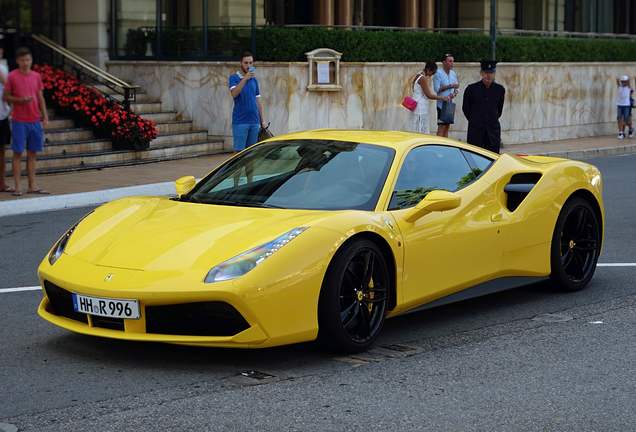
{"x": 247, "y": 116}
{"x": 445, "y": 83}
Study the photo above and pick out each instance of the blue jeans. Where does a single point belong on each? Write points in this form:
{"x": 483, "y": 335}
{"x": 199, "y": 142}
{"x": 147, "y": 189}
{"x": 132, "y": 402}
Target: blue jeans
{"x": 245, "y": 135}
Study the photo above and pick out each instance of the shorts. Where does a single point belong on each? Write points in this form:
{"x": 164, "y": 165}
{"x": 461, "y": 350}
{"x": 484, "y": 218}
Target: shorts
{"x": 624, "y": 112}
{"x": 27, "y": 134}
{"x": 439, "y": 113}
{"x": 5, "y": 133}
{"x": 244, "y": 135}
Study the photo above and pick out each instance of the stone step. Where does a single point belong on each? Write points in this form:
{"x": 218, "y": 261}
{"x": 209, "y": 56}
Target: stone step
{"x": 61, "y": 135}
{"x": 60, "y": 123}
{"x": 163, "y": 116}
{"x": 70, "y": 162}
{"x": 173, "y": 127}
{"x": 180, "y": 138}
{"x": 153, "y": 107}
{"x": 63, "y": 148}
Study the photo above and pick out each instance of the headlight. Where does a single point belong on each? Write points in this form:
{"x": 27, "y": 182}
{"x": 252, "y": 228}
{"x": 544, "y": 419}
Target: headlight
{"x": 59, "y": 247}
{"x": 243, "y": 263}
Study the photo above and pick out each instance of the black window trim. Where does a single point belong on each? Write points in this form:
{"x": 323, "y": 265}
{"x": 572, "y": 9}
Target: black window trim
{"x": 471, "y": 162}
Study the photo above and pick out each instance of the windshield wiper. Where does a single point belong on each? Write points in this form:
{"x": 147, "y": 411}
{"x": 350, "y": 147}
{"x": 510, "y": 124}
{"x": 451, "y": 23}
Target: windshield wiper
{"x": 258, "y": 204}
{"x": 238, "y": 203}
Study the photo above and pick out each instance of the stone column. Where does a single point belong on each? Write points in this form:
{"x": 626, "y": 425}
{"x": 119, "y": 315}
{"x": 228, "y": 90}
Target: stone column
{"x": 409, "y": 13}
{"x": 345, "y": 16}
{"x": 326, "y": 12}
{"x": 427, "y": 13}
{"x": 87, "y": 29}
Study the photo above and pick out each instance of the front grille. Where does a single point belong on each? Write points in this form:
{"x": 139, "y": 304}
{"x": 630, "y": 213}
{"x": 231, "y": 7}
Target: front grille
{"x": 61, "y": 303}
{"x": 195, "y": 319}
{"x": 108, "y": 323}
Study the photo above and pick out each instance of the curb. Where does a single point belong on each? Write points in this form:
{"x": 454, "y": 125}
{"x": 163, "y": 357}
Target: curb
{"x": 81, "y": 199}
{"x": 594, "y": 152}
{"x": 85, "y": 199}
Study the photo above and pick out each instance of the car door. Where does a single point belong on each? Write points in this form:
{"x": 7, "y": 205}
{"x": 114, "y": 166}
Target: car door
{"x": 447, "y": 251}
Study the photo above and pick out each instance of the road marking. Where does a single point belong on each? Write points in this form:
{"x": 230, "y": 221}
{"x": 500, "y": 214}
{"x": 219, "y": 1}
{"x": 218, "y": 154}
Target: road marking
{"x": 37, "y": 288}
{"x": 10, "y": 290}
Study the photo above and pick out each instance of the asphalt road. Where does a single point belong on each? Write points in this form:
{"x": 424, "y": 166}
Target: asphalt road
{"x": 522, "y": 360}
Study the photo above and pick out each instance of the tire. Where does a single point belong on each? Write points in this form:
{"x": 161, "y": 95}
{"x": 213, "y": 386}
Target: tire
{"x": 354, "y": 298}
{"x": 576, "y": 245}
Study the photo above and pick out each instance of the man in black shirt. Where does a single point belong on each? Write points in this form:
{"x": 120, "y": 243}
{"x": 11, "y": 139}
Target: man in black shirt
{"x": 483, "y": 105}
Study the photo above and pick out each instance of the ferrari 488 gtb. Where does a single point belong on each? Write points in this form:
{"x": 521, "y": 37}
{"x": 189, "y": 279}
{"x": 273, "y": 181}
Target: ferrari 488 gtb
{"x": 323, "y": 235}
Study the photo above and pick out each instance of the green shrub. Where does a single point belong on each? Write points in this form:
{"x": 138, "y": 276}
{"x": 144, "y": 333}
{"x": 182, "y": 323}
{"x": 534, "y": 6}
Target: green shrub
{"x": 289, "y": 44}
{"x": 135, "y": 43}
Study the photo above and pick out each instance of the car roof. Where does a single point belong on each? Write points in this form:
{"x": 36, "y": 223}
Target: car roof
{"x": 398, "y": 140}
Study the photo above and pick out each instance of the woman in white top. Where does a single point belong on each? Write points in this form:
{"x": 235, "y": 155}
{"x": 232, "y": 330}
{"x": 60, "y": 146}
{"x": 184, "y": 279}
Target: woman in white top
{"x": 421, "y": 88}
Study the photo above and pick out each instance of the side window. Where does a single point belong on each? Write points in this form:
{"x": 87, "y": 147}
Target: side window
{"x": 428, "y": 168}
{"x": 478, "y": 164}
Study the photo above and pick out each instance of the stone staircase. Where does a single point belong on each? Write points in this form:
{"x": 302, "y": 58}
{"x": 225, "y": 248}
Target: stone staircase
{"x": 70, "y": 148}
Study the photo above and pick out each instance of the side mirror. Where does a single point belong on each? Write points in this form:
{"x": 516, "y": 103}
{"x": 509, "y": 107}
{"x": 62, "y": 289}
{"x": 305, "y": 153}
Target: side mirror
{"x": 437, "y": 200}
{"x": 183, "y": 185}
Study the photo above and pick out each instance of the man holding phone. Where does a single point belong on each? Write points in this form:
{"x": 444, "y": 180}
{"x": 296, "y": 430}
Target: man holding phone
{"x": 247, "y": 116}
{"x": 24, "y": 90}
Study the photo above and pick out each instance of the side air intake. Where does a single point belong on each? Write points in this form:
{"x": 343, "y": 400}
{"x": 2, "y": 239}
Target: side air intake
{"x": 519, "y": 187}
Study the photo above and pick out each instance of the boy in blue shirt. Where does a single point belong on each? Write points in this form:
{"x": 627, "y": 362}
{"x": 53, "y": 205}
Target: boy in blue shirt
{"x": 247, "y": 116}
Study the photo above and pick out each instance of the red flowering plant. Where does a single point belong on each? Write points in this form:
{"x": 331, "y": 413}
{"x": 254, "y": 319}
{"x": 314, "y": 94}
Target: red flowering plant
{"x": 87, "y": 106}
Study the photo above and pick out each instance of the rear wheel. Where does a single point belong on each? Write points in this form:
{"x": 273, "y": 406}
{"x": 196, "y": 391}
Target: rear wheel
{"x": 576, "y": 245}
{"x": 354, "y": 298}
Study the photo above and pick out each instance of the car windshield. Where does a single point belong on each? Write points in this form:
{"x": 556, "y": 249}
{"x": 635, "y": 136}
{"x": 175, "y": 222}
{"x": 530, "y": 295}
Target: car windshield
{"x": 299, "y": 174}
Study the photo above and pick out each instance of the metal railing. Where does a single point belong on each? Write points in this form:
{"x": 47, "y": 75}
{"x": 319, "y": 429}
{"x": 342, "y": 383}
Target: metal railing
{"x": 61, "y": 57}
{"x": 500, "y": 31}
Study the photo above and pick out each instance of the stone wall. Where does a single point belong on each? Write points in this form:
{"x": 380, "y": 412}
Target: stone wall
{"x": 544, "y": 101}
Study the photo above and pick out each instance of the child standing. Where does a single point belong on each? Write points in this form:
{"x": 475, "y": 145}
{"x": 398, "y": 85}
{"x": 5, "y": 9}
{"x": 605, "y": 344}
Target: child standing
{"x": 624, "y": 107}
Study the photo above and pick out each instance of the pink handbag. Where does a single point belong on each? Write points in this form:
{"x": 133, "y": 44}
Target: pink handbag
{"x": 409, "y": 103}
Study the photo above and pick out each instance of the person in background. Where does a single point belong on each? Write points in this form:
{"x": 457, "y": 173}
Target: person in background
{"x": 247, "y": 115}
{"x": 483, "y": 105}
{"x": 445, "y": 84}
{"x": 421, "y": 92}
{"x": 24, "y": 91}
{"x": 5, "y": 131}
{"x": 624, "y": 107}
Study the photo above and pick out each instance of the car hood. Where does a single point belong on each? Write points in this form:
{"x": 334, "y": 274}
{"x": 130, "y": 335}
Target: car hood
{"x": 165, "y": 235}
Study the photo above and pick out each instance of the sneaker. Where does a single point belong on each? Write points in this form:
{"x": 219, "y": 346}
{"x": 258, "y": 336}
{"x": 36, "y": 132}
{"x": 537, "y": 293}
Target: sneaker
{"x": 631, "y": 132}
{"x": 621, "y": 135}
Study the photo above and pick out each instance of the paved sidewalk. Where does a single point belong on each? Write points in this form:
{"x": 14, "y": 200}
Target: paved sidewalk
{"x": 96, "y": 186}
{"x": 109, "y": 178}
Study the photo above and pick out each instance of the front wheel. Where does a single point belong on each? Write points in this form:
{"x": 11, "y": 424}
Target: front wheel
{"x": 576, "y": 245}
{"x": 354, "y": 297}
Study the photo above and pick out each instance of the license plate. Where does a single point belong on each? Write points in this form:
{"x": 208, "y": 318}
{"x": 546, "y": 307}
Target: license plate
{"x": 106, "y": 307}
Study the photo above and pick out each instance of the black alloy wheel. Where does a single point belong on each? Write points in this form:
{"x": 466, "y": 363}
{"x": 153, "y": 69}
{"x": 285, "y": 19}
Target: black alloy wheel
{"x": 354, "y": 298}
{"x": 576, "y": 245}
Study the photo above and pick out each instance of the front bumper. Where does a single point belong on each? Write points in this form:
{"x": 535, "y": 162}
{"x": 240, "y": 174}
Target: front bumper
{"x": 260, "y": 314}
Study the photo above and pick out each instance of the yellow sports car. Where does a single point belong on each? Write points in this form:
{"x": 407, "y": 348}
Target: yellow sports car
{"x": 322, "y": 235}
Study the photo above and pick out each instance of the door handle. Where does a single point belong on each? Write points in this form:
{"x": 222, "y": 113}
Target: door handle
{"x": 498, "y": 217}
